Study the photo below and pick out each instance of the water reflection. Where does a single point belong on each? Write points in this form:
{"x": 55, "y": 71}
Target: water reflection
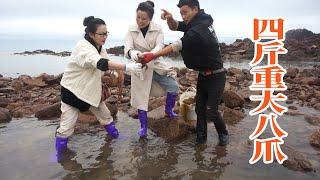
{"x": 102, "y": 168}
{"x": 209, "y": 164}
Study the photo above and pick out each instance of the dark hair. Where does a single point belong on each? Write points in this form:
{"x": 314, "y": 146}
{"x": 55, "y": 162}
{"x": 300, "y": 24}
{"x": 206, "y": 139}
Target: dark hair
{"x": 147, "y": 7}
{"x": 190, "y": 3}
{"x": 92, "y": 24}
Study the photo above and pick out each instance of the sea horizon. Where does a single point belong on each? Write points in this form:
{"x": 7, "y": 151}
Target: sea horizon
{"x": 58, "y": 43}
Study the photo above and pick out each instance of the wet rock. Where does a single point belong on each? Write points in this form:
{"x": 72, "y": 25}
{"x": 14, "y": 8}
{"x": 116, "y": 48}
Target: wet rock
{"x": 316, "y": 82}
{"x": 24, "y": 111}
{"x": 7, "y": 90}
{"x": 156, "y": 102}
{"x": 240, "y": 77}
{"x": 3, "y": 102}
{"x": 296, "y": 160}
{"x": 157, "y": 113}
{"x": 315, "y": 139}
{"x": 4, "y": 80}
{"x": 133, "y": 112}
{"x": 113, "y": 108}
{"x": 55, "y": 99}
{"x": 306, "y": 80}
{"x": 233, "y": 71}
{"x": 306, "y": 73}
{"x": 289, "y": 101}
{"x": 2, "y": 84}
{"x": 232, "y": 80}
{"x": 17, "y": 84}
{"x": 313, "y": 101}
{"x": 5, "y": 115}
{"x": 246, "y": 93}
{"x": 291, "y": 112}
{"x": 292, "y": 72}
{"x": 12, "y": 106}
{"x": 50, "y": 79}
{"x": 169, "y": 129}
{"x": 125, "y": 99}
{"x": 232, "y": 99}
{"x": 247, "y": 74}
{"x": 33, "y": 82}
{"x": 317, "y": 106}
{"x": 49, "y": 112}
{"x": 26, "y": 96}
{"x": 292, "y": 107}
{"x": 231, "y": 116}
{"x": 312, "y": 119}
{"x": 112, "y": 99}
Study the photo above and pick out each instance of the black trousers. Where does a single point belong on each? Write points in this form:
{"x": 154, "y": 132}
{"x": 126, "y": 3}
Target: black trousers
{"x": 209, "y": 94}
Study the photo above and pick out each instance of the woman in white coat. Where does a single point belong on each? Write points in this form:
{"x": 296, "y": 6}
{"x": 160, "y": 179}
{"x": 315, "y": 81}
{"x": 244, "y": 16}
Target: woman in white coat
{"x": 146, "y": 36}
{"x": 81, "y": 86}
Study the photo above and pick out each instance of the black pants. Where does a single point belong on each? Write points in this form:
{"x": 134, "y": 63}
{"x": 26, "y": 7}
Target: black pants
{"x": 209, "y": 93}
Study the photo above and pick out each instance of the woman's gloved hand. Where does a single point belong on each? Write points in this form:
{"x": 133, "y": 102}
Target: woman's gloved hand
{"x": 147, "y": 57}
{"x": 133, "y": 68}
{"x": 135, "y": 55}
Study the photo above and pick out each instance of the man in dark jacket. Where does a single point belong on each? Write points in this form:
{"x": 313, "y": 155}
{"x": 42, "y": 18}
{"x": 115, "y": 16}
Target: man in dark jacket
{"x": 200, "y": 51}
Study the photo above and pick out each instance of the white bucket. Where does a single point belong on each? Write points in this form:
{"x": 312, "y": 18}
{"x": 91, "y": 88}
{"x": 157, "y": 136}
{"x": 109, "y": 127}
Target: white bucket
{"x": 187, "y": 111}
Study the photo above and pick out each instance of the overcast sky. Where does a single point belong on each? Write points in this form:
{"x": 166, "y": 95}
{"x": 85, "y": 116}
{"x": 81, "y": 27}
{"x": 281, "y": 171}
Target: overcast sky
{"x": 233, "y": 18}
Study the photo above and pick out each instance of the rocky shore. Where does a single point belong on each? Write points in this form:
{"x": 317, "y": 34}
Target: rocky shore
{"x": 39, "y": 96}
{"x": 302, "y": 45}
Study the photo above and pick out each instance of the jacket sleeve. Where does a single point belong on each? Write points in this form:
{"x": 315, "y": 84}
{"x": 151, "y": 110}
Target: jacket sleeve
{"x": 182, "y": 26}
{"x": 128, "y": 45}
{"x": 159, "y": 42}
{"x": 87, "y": 57}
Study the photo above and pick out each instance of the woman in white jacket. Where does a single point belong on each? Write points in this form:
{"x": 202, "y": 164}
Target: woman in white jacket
{"x": 81, "y": 86}
{"x": 146, "y": 36}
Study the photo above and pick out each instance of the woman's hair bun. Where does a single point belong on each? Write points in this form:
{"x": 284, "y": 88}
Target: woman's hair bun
{"x": 151, "y": 3}
{"x": 87, "y": 20}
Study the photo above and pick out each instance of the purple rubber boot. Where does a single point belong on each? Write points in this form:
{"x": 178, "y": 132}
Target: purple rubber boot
{"x": 112, "y": 130}
{"x": 170, "y": 102}
{"x": 143, "y": 122}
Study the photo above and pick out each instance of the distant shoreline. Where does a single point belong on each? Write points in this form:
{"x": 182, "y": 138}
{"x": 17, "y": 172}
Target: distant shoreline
{"x": 302, "y": 45}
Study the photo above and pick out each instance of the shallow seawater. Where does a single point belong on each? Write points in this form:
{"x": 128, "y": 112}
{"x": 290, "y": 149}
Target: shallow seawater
{"x": 27, "y": 152}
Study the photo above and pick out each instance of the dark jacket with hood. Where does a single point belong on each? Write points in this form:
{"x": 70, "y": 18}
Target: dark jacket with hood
{"x": 200, "y": 46}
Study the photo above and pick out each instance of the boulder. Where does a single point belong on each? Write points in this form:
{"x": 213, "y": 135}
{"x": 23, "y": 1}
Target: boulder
{"x": 5, "y": 115}
{"x": 170, "y": 130}
{"x": 3, "y": 102}
{"x": 292, "y": 72}
{"x": 296, "y": 160}
{"x": 231, "y": 116}
{"x": 113, "y": 108}
{"x": 317, "y": 106}
{"x": 315, "y": 139}
{"x": 232, "y": 99}
{"x": 312, "y": 119}
{"x": 33, "y": 82}
{"x": 49, "y": 112}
